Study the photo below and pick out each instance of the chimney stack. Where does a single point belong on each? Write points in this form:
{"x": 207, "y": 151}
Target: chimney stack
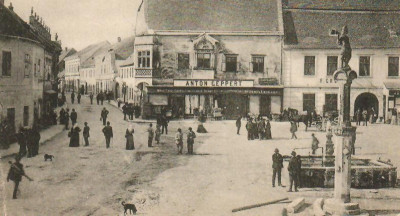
{"x": 11, "y": 7}
{"x": 119, "y": 39}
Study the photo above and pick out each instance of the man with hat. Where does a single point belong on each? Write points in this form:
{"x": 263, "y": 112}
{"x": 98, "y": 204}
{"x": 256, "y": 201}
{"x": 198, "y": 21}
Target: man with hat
{"x": 15, "y": 174}
{"x": 293, "y": 169}
{"x": 277, "y": 165}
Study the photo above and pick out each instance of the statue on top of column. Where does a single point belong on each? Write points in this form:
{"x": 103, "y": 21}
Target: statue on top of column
{"x": 344, "y": 41}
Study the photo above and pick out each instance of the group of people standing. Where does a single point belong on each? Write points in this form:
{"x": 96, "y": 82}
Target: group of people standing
{"x": 365, "y": 115}
{"x": 130, "y": 110}
{"x": 257, "y": 128}
{"x": 28, "y": 140}
{"x": 294, "y": 169}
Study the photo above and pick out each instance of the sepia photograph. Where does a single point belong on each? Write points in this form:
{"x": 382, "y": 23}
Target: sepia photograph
{"x": 199, "y": 107}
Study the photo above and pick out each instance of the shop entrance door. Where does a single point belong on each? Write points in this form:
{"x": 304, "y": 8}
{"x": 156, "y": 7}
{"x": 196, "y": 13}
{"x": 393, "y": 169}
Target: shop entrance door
{"x": 177, "y": 104}
{"x": 265, "y": 105}
{"x": 234, "y": 105}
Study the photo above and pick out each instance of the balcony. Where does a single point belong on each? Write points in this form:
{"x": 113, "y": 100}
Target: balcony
{"x": 144, "y": 73}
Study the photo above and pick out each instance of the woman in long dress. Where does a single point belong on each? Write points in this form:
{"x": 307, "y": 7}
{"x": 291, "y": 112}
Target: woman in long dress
{"x": 74, "y": 136}
{"x": 268, "y": 134}
{"x": 130, "y": 145}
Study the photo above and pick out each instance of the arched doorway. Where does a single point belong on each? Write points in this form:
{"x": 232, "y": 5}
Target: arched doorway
{"x": 143, "y": 92}
{"x": 366, "y": 101}
{"x": 117, "y": 90}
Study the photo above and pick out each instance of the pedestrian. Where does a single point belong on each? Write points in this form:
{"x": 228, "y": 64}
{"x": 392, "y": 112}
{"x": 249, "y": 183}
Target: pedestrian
{"x": 314, "y": 143}
{"x": 151, "y": 135}
{"x": 79, "y": 97}
{"x": 293, "y": 172}
{"x": 248, "y": 128}
{"x": 86, "y": 134}
{"x": 293, "y": 129}
{"x": 158, "y": 134}
{"x": 62, "y": 115}
{"x": 124, "y": 110}
{"x": 254, "y": 128}
{"x": 21, "y": 139}
{"x": 91, "y": 97}
{"x": 15, "y": 174}
{"x": 130, "y": 145}
{"x": 98, "y": 98}
{"x": 66, "y": 119}
{"x": 299, "y": 171}
{"x": 74, "y": 136}
{"x": 365, "y": 117}
{"x": 238, "y": 124}
{"x": 371, "y": 115}
{"x": 131, "y": 110}
{"x": 72, "y": 97}
{"x": 36, "y": 140}
{"x": 164, "y": 124}
{"x": 359, "y": 116}
{"x": 29, "y": 142}
{"x": 190, "y": 140}
{"x": 108, "y": 134}
{"x": 268, "y": 134}
{"x": 104, "y": 114}
{"x": 394, "y": 116}
{"x": 73, "y": 116}
{"x": 179, "y": 140}
{"x": 277, "y": 165}
{"x": 101, "y": 97}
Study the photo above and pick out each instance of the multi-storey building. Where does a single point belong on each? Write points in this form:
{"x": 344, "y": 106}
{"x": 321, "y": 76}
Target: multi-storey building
{"x": 28, "y": 58}
{"x": 73, "y": 65}
{"x": 209, "y": 54}
{"x": 126, "y": 79}
{"x": 311, "y": 54}
{"x": 61, "y": 66}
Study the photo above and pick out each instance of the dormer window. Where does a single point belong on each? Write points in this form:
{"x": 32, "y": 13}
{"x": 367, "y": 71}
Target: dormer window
{"x": 204, "y": 47}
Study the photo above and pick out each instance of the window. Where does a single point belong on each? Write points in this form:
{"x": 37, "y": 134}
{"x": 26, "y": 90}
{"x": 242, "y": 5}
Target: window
{"x": 183, "y": 61}
{"x": 308, "y": 102}
{"x": 26, "y": 115}
{"x": 331, "y": 102}
{"x": 27, "y": 65}
{"x": 332, "y": 65}
{"x": 231, "y": 63}
{"x": 144, "y": 59}
{"x": 6, "y": 69}
{"x": 364, "y": 66}
{"x": 204, "y": 60}
{"x": 258, "y": 64}
{"x": 393, "y": 66}
{"x": 309, "y": 65}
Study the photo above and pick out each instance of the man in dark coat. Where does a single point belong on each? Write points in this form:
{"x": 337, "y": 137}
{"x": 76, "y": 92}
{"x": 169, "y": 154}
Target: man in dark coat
{"x": 108, "y": 134}
{"x": 104, "y": 114}
{"x": 66, "y": 119}
{"x": 249, "y": 129}
{"x": 190, "y": 140}
{"x": 277, "y": 165}
{"x": 21, "y": 139}
{"x": 73, "y": 116}
{"x": 74, "y": 136}
{"x": 15, "y": 174}
{"x": 29, "y": 142}
{"x": 62, "y": 115}
{"x": 72, "y": 97}
{"x": 91, "y": 98}
{"x": 101, "y": 97}
{"x": 238, "y": 124}
{"x": 86, "y": 134}
{"x": 293, "y": 169}
{"x": 164, "y": 124}
{"x": 79, "y": 97}
{"x": 98, "y": 98}
{"x": 36, "y": 140}
{"x": 124, "y": 110}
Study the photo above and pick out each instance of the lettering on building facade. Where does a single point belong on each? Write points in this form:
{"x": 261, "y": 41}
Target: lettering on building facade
{"x": 213, "y": 83}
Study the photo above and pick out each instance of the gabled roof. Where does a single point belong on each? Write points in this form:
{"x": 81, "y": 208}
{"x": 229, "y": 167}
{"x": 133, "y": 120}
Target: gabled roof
{"x": 88, "y": 52}
{"x": 311, "y": 28}
{"x": 66, "y": 53}
{"x": 124, "y": 48}
{"x": 212, "y": 15}
{"x": 382, "y": 5}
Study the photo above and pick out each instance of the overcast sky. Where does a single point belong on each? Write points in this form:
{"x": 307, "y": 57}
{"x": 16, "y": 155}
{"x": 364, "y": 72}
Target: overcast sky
{"x": 80, "y": 23}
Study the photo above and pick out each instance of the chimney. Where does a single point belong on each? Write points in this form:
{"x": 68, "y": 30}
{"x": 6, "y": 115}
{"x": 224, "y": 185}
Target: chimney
{"x": 119, "y": 39}
{"x": 11, "y": 7}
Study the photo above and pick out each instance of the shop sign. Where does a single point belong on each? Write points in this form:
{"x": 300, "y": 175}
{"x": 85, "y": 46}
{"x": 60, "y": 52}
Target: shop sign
{"x": 394, "y": 92}
{"x": 186, "y": 91}
{"x": 213, "y": 83}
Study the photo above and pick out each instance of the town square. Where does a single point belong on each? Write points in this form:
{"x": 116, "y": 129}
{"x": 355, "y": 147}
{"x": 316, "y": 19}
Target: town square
{"x": 207, "y": 107}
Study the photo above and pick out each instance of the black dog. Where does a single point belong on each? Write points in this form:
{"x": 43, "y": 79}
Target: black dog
{"x": 48, "y": 157}
{"x": 130, "y": 207}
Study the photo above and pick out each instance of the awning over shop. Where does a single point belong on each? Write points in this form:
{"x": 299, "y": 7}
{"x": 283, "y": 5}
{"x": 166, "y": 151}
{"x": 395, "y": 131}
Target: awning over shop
{"x": 159, "y": 100}
{"x": 393, "y": 85}
{"x": 277, "y": 91}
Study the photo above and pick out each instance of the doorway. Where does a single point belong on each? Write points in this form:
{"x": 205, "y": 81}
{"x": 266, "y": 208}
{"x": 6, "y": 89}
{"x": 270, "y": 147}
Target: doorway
{"x": 233, "y": 105}
{"x": 11, "y": 119}
{"x": 366, "y": 101}
{"x": 265, "y": 105}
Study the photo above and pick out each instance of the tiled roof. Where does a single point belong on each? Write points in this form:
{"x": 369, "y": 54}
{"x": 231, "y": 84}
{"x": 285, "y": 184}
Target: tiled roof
{"x": 87, "y": 53}
{"x": 344, "y": 4}
{"x": 66, "y": 53}
{"x": 212, "y": 15}
{"x": 124, "y": 48}
{"x": 311, "y": 28}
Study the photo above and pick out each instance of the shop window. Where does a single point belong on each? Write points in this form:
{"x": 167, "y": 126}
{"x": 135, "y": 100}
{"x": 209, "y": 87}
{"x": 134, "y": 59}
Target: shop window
{"x": 393, "y": 66}
{"x": 231, "y": 63}
{"x": 364, "y": 69}
{"x": 26, "y": 115}
{"x": 258, "y": 64}
{"x": 203, "y": 60}
{"x": 308, "y": 102}
{"x": 143, "y": 59}
{"x": 6, "y": 66}
{"x": 331, "y": 102}
{"x": 183, "y": 61}
{"x": 332, "y": 65}
{"x": 309, "y": 65}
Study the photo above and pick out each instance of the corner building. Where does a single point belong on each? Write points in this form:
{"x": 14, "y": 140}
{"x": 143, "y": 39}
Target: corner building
{"x": 195, "y": 56}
